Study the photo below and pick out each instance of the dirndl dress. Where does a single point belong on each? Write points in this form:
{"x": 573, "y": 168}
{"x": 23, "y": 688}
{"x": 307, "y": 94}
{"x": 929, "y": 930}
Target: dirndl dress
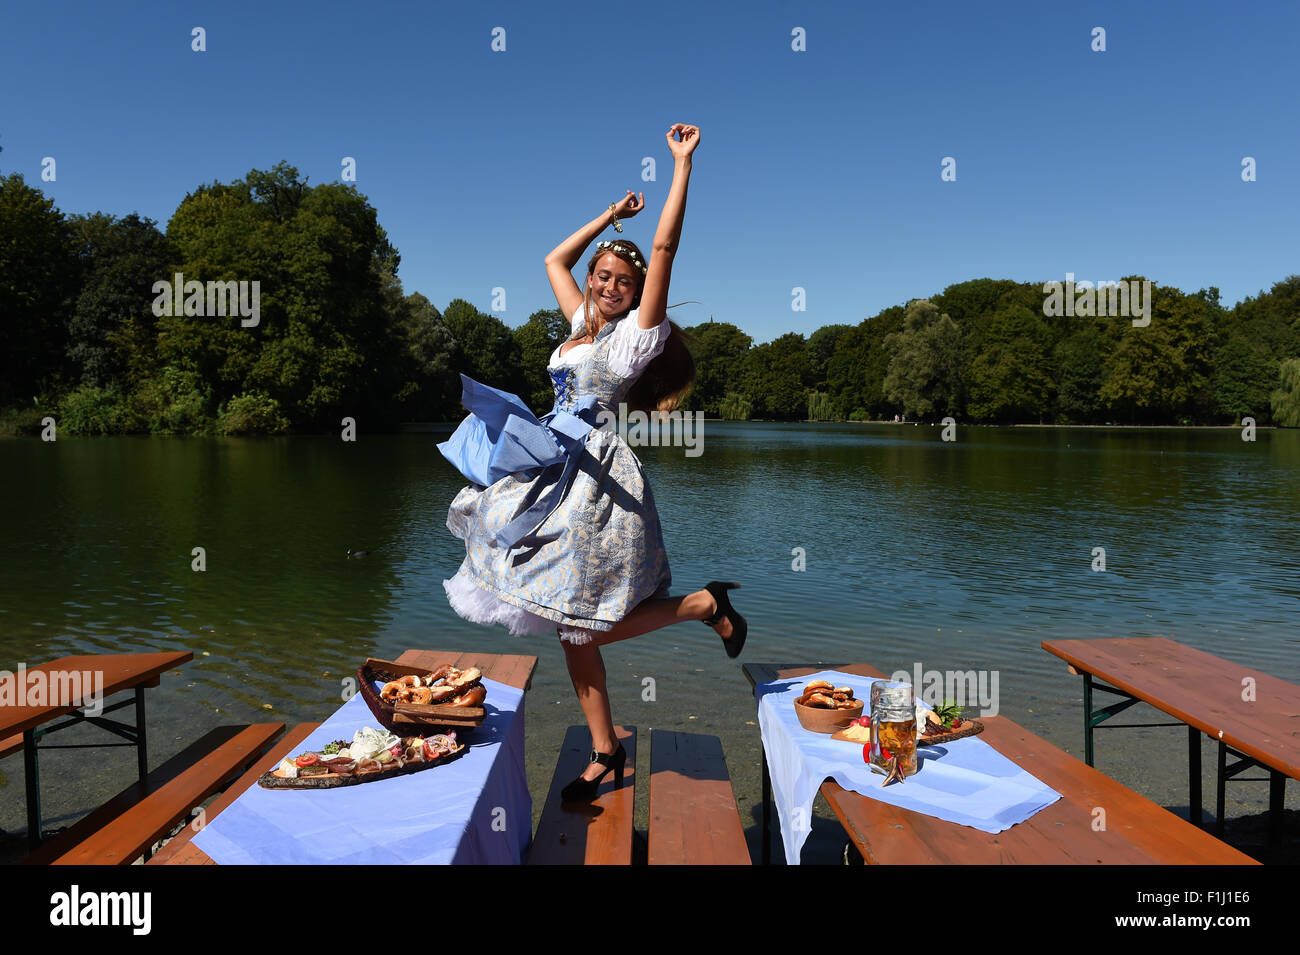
{"x": 559, "y": 522}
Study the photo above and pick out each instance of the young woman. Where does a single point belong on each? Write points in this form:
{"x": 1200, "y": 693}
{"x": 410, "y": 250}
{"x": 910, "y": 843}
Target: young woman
{"x": 576, "y": 544}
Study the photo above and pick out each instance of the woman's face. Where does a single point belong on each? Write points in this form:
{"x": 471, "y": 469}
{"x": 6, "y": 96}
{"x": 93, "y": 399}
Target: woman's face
{"x": 613, "y": 285}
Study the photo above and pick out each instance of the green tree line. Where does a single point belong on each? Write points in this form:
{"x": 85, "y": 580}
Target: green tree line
{"x": 84, "y": 339}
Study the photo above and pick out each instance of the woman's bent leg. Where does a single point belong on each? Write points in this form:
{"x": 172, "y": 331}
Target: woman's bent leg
{"x": 655, "y": 614}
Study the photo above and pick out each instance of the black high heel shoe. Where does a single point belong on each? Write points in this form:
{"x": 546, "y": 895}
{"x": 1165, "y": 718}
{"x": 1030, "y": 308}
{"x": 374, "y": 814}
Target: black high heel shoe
{"x": 584, "y": 790}
{"x": 739, "y": 628}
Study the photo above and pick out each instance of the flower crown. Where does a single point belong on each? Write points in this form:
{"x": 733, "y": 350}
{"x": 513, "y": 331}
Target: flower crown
{"x": 626, "y": 250}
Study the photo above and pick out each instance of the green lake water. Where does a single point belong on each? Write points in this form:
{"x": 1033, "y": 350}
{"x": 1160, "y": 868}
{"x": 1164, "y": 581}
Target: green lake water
{"x": 874, "y": 543}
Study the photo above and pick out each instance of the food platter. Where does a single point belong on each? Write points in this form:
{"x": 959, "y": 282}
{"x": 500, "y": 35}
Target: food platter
{"x": 419, "y": 754}
{"x": 968, "y": 728}
{"x": 375, "y": 676}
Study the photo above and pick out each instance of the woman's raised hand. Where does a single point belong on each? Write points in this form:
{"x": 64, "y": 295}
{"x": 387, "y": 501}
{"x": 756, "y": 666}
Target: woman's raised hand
{"x": 629, "y": 205}
{"x": 686, "y": 145}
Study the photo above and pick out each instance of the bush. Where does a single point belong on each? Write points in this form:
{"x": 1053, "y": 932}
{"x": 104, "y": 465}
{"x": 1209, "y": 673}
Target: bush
{"x": 255, "y": 413}
{"x": 175, "y": 402}
{"x": 860, "y": 414}
{"x": 21, "y": 421}
{"x": 92, "y": 410}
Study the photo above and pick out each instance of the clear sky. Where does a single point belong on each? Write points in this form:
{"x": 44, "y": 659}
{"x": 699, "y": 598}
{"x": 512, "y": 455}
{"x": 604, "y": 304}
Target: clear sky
{"x": 817, "y": 168}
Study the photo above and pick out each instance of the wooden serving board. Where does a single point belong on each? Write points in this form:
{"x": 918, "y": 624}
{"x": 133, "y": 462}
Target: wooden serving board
{"x": 969, "y": 728}
{"x": 272, "y": 780}
{"x": 440, "y": 714}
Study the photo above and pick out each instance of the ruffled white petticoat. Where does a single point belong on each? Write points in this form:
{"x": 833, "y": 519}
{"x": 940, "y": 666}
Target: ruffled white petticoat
{"x": 481, "y": 606}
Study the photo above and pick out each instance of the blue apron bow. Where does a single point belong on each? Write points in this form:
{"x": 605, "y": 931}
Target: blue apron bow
{"x": 501, "y": 436}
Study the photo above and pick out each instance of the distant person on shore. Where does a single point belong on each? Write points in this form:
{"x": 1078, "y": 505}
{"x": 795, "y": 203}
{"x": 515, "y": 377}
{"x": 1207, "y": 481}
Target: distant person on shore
{"x": 575, "y": 546}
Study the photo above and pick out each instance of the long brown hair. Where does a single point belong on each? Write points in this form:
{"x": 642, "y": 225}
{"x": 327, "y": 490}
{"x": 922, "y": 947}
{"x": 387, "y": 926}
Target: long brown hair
{"x": 668, "y": 379}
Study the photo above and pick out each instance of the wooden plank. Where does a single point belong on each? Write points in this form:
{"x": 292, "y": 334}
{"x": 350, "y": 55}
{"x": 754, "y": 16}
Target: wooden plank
{"x": 121, "y": 671}
{"x": 596, "y": 834}
{"x": 1136, "y": 830}
{"x": 693, "y": 814}
{"x": 14, "y": 744}
{"x": 1201, "y": 690}
{"x": 122, "y": 829}
{"x": 180, "y": 850}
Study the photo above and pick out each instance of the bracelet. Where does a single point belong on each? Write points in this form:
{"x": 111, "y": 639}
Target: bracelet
{"x": 617, "y": 227}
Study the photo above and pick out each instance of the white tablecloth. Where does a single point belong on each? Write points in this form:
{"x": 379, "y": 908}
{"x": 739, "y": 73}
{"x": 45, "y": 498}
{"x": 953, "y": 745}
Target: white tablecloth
{"x": 475, "y": 809}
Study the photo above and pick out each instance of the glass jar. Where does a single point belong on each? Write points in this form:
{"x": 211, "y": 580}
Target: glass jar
{"x": 893, "y": 726}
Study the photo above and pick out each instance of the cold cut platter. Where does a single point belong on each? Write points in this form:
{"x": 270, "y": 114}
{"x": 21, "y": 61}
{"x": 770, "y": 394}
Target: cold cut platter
{"x": 372, "y": 754}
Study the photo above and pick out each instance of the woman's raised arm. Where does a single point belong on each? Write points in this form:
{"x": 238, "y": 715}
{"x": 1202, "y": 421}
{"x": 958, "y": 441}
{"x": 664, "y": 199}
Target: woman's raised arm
{"x": 659, "y": 270}
{"x": 560, "y": 263}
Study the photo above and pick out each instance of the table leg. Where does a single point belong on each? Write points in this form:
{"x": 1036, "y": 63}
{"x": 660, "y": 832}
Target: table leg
{"x": 767, "y": 812}
{"x": 141, "y": 753}
{"x": 1194, "y": 775}
{"x": 1276, "y": 790}
{"x": 32, "y": 775}
{"x": 1222, "y": 785}
{"x": 1087, "y": 718}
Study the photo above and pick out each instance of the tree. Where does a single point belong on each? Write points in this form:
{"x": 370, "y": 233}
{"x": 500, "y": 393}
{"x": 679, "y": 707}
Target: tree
{"x": 1241, "y": 377}
{"x": 777, "y": 376}
{"x": 537, "y": 338}
{"x": 924, "y": 374}
{"x": 485, "y": 349}
{"x": 736, "y": 407}
{"x": 1079, "y": 373}
{"x": 719, "y": 349}
{"x": 1161, "y": 371}
{"x": 1009, "y": 376}
{"x": 112, "y": 323}
{"x": 37, "y": 285}
{"x": 1286, "y": 399}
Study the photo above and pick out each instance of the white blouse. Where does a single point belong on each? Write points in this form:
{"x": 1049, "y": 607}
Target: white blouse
{"x": 631, "y": 347}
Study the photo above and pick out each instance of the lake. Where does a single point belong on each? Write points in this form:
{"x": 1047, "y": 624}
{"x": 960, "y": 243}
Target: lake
{"x": 874, "y": 542}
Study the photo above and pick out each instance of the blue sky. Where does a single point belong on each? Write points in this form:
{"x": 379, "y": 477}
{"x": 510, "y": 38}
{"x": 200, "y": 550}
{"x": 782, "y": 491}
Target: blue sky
{"x": 818, "y": 169}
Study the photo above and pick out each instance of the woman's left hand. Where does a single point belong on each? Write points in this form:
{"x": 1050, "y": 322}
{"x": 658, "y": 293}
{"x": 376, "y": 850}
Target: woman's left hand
{"x": 690, "y": 139}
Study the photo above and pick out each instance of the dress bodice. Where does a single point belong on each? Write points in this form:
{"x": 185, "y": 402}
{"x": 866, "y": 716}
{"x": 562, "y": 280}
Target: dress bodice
{"x": 590, "y": 375}
{"x": 608, "y": 367}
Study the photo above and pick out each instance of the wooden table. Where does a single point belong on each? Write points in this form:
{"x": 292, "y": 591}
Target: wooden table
{"x": 510, "y": 669}
{"x": 1251, "y": 715}
{"x": 1136, "y": 829}
{"x": 24, "y": 725}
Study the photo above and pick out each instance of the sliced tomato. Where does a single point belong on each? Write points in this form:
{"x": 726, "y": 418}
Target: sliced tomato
{"x": 307, "y": 759}
{"x": 430, "y": 751}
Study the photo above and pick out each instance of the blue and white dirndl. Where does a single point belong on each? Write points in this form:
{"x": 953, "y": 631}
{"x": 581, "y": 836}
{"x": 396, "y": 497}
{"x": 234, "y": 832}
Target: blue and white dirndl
{"x": 558, "y": 520}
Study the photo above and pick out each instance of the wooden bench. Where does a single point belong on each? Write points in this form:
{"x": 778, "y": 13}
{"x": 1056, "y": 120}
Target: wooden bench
{"x": 180, "y": 850}
{"x": 125, "y": 827}
{"x": 1251, "y": 715}
{"x": 693, "y": 815}
{"x": 599, "y": 833}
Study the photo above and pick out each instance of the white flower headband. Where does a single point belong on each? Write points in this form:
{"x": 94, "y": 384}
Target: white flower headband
{"x": 619, "y": 247}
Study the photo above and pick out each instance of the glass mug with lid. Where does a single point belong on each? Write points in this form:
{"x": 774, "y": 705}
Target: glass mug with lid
{"x": 893, "y": 726}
